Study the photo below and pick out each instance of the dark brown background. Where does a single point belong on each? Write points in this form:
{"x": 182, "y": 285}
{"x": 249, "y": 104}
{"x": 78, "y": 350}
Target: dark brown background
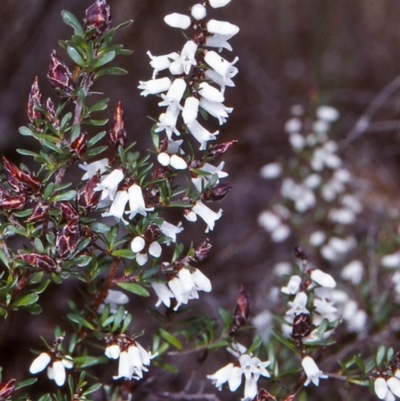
{"x": 341, "y": 53}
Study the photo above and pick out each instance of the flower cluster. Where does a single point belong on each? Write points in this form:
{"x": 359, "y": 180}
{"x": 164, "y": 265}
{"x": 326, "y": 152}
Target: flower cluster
{"x": 249, "y": 366}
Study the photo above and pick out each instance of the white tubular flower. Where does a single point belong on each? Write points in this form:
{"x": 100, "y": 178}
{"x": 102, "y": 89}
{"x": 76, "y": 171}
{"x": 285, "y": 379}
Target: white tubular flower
{"x": 323, "y": 279}
{"x": 201, "y": 181}
{"x": 221, "y": 376}
{"x": 138, "y": 244}
{"x": 190, "y": 109}
{"x": 353, "y": 272}
{"x": 175, "y": 93}
{"x": 327, "y": 113}
{"x": 222, "y": 28}
{"x": 216, "y": 109}
{"x": 155, "y": 249}
{"x": 174, "y": 161}
{"x": 114, "y": 299}
{"x": 312, "y": 371}
{"x": 391, "y": 261}
{"x": 112, "y": 351}
{"x": 117, "y": 208}
{"x": 210, "y": 93}
{"x": 201, "y": 134}
{"x": 293, "y": 285}
{"x": 219, "y": 3}
{"x": 218, "y": 41}
{"x": 160, "y": 63}
{"x": 394, "y": 385}
{"x": 381, "y": 388}
{"x": 170, "y": 230}
{"x": 163, "y": 293}
{"x": 124, "y": 366}
{"x": 136, "y": 202}
{"x": 154, "y": 86}
{"x": 109, "y": 184}
{"x": 298, "y": 305}
{"x": 208, "y": 215}
{"x": 92, "y": 168}
{"x": 59, "y": 374}
{"x": 271, "y": 170}
{"x": 40, "y": 363}
{"x": 167, "y": 121}
{"x": 201, "y": 282}
{"x": 176, "y": 20}
{"x": 223, "y": 67}
{"x": 180, "y": 288}
{"x": 142, "y": 258}
{"x": 187, "y": 58}
{"x": 198, "y": 12}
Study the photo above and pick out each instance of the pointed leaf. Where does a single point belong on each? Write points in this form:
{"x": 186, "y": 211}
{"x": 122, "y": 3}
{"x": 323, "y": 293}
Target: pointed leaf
{"x": 135, "y": 289}
{"x": 71, "y": 20}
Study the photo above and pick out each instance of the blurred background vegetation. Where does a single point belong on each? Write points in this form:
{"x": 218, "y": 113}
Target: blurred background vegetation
{"x": 310, "y": 52}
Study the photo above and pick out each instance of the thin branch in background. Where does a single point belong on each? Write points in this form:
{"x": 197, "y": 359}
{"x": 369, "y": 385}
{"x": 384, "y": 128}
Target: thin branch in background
{"x": 364, "y": 121}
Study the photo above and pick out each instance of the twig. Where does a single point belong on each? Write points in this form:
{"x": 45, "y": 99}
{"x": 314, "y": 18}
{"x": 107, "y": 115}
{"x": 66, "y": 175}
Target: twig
{"x": 364, "y": 121}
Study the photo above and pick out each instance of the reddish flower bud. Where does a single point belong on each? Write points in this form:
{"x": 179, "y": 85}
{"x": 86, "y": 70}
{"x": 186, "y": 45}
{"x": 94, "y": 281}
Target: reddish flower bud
{"x": 43, "y": 262}
{"x": 264, "y": 395}
{"x": 59, "y": 76}
{"x": 152, "y": 233}
{"x": 79, "y": 146}
{"x": 7, "y": 389}
{"x": 219, "y": 149}
{"x": 98, "y": 17}
{"x": 35, "y": 100}
{"x": 16, "y": 202}
{"x": 68, "y": 212}
{"x": 67, "y": 239}
{"x": 300, "y": 253}
{"x": 87, "y": 197}
{"x": 19, "y": 180}
{"x": 40, "y": 213}
{"x": 217, "y": 192}
{"x": 301, "y": 326}
{"x": 202, "y": 251}
{"x": 241, "y": 311}
{"x": 51, "y": 114}
{"x": 118, "y": 133}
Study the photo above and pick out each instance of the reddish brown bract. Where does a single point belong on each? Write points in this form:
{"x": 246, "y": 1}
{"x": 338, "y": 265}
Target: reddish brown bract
{"x": 241, "y": 311}
{"x": 59, "y": 76}
{"x": 98, "y": 17}
{"x": 118, "y": 133}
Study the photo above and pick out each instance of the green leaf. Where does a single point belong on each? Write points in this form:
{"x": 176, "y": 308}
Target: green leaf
{"x": 218, "y": 344}
{"x": 284, "y": 341}
{"x": 134, "y": 288}
{"x": 42, "y": 286}
{"x": 25, "y": 131}
{"x": 93, "y": 389}
{"x": 111, "y": 71}
{"x": 25, "y": 300}
{"x": 72, "y": 21}
{"x": 171, "y": 339}
{"x": 380, "y": 355}
{"x": 108, "y": 57}
{"x": 124, "y": 25}
{"x": 99, "y": 228}
{"x": 124, "y": 253}
{"x": 25, "y": 383}
{"x": 97, "y": 123}
{"x": 75, "y": 56}
{"x": 80, "y": 320}
{"x": 25, "y": 152}
{"x": 102, "y": 105}
{"x": 34, "y": 309}
{"x": 86, "y": 361}
{"x": 3, "y": 258}
{"x": 65, "y": 196}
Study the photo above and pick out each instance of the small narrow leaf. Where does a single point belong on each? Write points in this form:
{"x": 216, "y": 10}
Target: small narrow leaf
{"x": 75, "y": 56}
{"x": 111, "y": 71}
{"x": 25, "y": 131}
{"x": 80, "y": 320}
{"x": 25, "y": 300}
{"x": 171, "y": 339}
{"x": 108, "y": 57}
{"x": 71, "y": 21}
{"x": 135, "y": 289}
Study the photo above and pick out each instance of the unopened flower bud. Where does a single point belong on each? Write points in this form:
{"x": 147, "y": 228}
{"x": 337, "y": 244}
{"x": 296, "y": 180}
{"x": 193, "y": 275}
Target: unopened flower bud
{"x": 8, "y": 202}
{"x": 220, "y": 149}
{"x": 35, "y": 100}
{"x": 87, "y": 197}
{"x": 152, "y": 233}
{"x": 7, "y": 389}
{"x": 59, "y": 76}
{"x": 241, "y": 311}
{"x": 51, "y": 114}
{"x": 68, "y": 212}
{"x": 176, "y": 20}
{"x": 198, "y": 11}
{"x": 40, "y": 213}
{"x": 98, "y": 18}
{"x": 67, "y": 239}
{"x": 218, "y": 3}
{"x": 79, "y": 146}
{"x": 301, "y": 326}
{"x": 43, "y": 262}
{"x": 217, "y": 192}
{"x": 118, "y": 133}
{"x": 202, "y": 251}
